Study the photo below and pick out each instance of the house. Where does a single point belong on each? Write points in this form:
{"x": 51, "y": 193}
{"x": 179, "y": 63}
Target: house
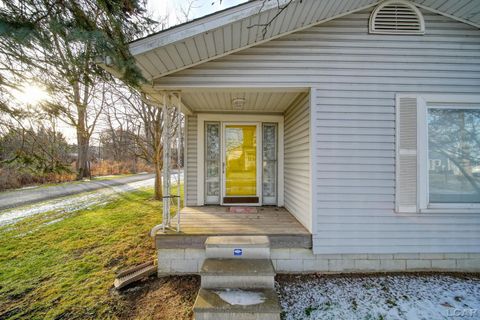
{"x": 313, "y": 124}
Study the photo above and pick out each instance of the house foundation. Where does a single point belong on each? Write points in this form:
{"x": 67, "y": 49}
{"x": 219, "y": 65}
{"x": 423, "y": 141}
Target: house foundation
{"x": 300, "y": 260}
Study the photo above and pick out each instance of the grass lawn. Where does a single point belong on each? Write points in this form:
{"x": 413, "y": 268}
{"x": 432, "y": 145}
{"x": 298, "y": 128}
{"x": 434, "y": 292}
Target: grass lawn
{"x": 63, "y": 267}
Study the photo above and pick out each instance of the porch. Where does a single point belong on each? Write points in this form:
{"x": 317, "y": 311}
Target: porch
{"x": 246, "y": 149}
{"x": 249, "y": 146}
{"x": 198, "y": 223}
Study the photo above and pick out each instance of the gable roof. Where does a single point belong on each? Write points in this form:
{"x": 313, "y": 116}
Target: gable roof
{"x": 243, "y": 26}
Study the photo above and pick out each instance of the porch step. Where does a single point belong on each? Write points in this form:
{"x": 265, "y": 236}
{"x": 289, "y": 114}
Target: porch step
{"x": 235, "y": 304}
{"x": 238, "y": 247}
{"x": 233, "y": 273}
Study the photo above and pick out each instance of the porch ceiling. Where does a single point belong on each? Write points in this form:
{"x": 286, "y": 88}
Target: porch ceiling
{"x": 255, "y": 101}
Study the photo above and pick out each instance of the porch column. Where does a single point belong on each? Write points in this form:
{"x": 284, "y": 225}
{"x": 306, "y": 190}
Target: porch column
{"x": 166, "y": 163}
{"x": 171, "y": 106}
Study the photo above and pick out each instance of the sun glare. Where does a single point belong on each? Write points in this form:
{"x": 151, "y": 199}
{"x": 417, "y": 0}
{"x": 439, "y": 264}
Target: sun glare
{"x": 30, "y": 94}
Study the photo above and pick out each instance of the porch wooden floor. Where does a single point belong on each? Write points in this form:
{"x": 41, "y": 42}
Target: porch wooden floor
{"x": 198, "y": 223}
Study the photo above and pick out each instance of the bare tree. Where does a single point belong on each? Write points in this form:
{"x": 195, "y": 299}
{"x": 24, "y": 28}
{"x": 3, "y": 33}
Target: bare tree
{"x": 145, "y": 121}
{"x": 185, "y": 10}
{"x": 56, "y": 44}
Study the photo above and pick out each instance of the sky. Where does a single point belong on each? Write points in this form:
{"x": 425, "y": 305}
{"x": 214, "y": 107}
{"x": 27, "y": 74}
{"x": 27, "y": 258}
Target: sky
{"x": 161, "y": 8}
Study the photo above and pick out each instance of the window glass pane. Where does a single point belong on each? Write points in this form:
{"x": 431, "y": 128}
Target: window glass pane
{"x": 269, "y": 163}
{"x": 212, "y": 162}
{"x": 454, "y": 155}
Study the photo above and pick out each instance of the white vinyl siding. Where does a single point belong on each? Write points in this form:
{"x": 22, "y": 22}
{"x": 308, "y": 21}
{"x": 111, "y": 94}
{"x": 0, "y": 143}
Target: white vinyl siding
{"x": 297, "y": 161}
{"x": 191, "y": 168}
{"x": 356, "y": 76}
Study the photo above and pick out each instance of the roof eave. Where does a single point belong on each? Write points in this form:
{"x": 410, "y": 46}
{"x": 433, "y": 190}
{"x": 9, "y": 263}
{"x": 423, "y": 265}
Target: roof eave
{"x": 203, "y": 24}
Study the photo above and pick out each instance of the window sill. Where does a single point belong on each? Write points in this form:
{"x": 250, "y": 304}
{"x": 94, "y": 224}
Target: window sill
{"x": 451, "y": 208}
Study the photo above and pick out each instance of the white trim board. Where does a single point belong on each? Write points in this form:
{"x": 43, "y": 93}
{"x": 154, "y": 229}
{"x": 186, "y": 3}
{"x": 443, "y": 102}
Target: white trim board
{"x": 201, "y": 25}
{"x": 313, "y": 162}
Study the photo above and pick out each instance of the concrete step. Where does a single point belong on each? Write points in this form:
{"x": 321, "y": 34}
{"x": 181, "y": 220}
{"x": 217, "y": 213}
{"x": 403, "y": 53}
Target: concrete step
{"x": 233, "y": 273}
{"x": 210, "y": 306}
{"x": 238, "y": 247}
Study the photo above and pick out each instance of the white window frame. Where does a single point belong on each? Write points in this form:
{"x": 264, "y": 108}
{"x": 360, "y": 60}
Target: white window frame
{"x": 424, "y": 103}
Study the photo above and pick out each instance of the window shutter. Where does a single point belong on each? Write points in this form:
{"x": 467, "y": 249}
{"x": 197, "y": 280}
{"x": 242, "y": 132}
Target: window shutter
{"x": 406, "y": 155}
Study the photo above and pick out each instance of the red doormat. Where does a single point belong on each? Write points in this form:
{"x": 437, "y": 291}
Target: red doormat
{"x": 242, "y": 210}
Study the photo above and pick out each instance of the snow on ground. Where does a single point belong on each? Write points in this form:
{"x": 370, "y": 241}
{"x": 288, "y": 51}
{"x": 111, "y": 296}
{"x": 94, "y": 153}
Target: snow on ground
{"x": 240, "y": 297}
{"x": 411, "y": 297}
{"x": 62, "y": 206}
{"x": 70, "y": 204}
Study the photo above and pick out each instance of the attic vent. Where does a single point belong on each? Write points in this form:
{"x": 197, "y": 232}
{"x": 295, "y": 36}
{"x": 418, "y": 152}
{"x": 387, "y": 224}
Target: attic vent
{"x": 397, "y": 17}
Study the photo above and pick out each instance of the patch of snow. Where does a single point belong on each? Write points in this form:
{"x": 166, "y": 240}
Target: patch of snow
{"x": 396, "y": 297}
{"x": 29, "y": 187}
{"x": 241, "y": 297}
{"x": 71, "y": 203}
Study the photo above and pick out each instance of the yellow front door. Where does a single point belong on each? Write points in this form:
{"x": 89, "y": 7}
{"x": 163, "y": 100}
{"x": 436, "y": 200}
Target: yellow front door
{"x": 240, "y": 160}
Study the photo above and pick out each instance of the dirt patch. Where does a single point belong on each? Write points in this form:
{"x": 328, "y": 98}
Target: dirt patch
{"x": 169, "y": 298}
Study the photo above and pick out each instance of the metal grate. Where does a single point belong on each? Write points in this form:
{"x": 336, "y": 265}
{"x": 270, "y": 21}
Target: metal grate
{"x": 397, "y": 17}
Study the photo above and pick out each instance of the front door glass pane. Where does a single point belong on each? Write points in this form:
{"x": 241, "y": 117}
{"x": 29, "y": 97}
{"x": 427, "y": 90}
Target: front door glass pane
{"x": 241, "y": 160}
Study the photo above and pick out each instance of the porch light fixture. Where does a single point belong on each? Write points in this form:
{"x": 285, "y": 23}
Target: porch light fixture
{"x": 238, "y": 103}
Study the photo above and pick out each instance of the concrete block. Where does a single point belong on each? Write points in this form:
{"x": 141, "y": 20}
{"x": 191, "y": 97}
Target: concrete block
{"x": 367, "y": 265}
{"x": 375, "y": 256}
{"x": 444, "y": 264}
{"x": 328, "y": 256}
{"x": 315, "y": 265}
{"x": 468, "y": 264}
{"x": 393, "y": 265}
{"x": 456, "y": 255}
{"x": 289, "y": 265}
{"x": 171, "y": 253}
{"x": 418, "y": 264}
{"x": 282, "y": 253}
{"x": 163, "y": 265}
{"x": 299, "y": 253}
{"x": 406, "y": 256}
{"x": 354, "y": 256}
{"x": 432, "y": 256}
{"x": 341, "y": 265}
{"x": 194, "y": 253}
{"x": 184, "y": 266}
